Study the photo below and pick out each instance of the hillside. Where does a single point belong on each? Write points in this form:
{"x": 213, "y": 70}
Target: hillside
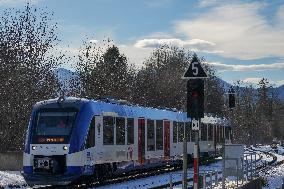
{"x": 65, "y": 76}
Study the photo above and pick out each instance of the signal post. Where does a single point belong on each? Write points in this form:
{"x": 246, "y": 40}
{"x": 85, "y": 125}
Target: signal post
{"x": 195, "y": 110}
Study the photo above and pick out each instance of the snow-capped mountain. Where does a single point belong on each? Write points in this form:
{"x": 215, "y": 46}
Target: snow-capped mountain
{"x": 65, "y": 76}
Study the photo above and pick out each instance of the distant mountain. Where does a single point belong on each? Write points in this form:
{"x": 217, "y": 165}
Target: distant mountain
{"x": 280, "y": 91}
{"x": 65, "y": 76}
{"x": 225, "y": 84}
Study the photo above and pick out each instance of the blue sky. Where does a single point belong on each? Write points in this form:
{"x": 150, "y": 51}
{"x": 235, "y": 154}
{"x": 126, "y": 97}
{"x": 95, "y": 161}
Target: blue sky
{"x": 244, "y": 40}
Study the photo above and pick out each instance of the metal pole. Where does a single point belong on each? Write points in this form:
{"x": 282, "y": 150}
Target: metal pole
{"x": 237, "y": 173}
{"x": 223, "y": 165}
{"x": 204, "y": 180}
{"x": 171, "y": 182}
{"x": 254, "y": 164}
{"x": 247, "y": 165}
{"x": 251, "y": 164}
{"x": 242, "y": 173}
{"x": 184, "y": 184}
{"x": 196, "y": 166}
{"x": 216, "y": 178}
{"x": 211, "y": 182}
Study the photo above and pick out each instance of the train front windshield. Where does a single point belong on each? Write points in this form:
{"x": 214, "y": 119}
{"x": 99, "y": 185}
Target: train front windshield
{"x": 54, "y": 126}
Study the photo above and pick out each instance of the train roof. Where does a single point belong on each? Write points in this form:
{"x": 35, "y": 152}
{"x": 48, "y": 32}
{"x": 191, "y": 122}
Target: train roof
{"x": 115, "y": 108}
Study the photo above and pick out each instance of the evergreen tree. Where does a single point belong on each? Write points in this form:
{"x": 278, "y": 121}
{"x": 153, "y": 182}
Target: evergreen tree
{"x": 104, "y": 73}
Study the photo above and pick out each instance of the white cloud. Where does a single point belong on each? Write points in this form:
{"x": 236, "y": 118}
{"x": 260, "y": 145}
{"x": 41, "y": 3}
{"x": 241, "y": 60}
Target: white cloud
{"x": 136, "y": 55}
{"x": 153, "y": 43}
{"x": 193, "y": 44}
{"x": 253, "y": 67}
{"x": 237, "y": 29}
{"x": 93, "y": 41}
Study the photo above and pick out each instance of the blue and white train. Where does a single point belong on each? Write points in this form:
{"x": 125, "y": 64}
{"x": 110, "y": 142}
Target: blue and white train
{"x": 69, "y": 138}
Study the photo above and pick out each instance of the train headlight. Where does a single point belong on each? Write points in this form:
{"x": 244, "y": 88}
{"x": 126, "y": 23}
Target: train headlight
{"x": 65, "y": 148}
{"x": 33, "y": 147}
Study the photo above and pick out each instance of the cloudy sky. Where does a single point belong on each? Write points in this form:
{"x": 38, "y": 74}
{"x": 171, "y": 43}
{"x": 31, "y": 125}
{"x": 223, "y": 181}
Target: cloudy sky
{"x": 244, "y": 40}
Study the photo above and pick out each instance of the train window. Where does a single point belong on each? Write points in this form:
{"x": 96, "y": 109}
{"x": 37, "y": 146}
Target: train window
{"x": 230, "y": 134}
{"x": 150, "y": 135}
{"x": 90, "y": 142}
{"x": 159, "y": 135}
{"x": 180, "y": 131}
{"x": 188, "y": 131}
{"x": 192, "y": 133}
{"x": 222, "y": 132}
{"x": 175, "y": 132}
{"x": 203, "y": 132}
{"x": 210, "y": 132}
{"x": 219, "y": 134}
{"x": 108, "y": 130}
{"x": 130, "y": 131}
{"x": 227, "y": 132}
{"x": 120, "y": 130}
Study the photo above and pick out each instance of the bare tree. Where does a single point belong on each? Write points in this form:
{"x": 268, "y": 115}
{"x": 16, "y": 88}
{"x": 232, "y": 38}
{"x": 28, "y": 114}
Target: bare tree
{"x": 255, "y": 119}
{"x": 159, "y": 83}
{"x": 26, "y": 68}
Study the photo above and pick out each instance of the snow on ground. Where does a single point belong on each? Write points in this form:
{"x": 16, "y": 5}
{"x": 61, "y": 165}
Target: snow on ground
{"x": 164, "y": 178}
{"x": 273, "y": 178}
{"x": 12, "y": 179}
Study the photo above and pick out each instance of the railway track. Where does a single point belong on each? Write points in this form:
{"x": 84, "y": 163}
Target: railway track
{"x": 168, "y": 169}
{"x": 218, "y": 175}
{"x": 273, "y": 163}
{"x": 127, "y": 177}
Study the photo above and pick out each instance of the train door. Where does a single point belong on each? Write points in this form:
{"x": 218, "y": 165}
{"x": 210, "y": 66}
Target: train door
{"x": 167, "y": 139}
{"x": 141, "y": 140}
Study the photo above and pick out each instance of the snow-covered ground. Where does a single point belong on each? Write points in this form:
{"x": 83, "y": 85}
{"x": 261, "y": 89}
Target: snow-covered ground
{"x": 176, "y": 176}
{"x": 12, "y": 179}
{"x": 163, "y": 178}
{"x": 273, "y": 177}
{"x": 9, "y": 179}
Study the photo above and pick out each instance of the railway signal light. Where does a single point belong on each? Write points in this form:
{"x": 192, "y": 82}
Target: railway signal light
{"x": 195, "y": 110}
{"x": 232, "y": 101}
{"x": 195, "y": 98}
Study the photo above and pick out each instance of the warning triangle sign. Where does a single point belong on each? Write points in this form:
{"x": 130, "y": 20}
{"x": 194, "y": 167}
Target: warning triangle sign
{"x": 194, "y": 70}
